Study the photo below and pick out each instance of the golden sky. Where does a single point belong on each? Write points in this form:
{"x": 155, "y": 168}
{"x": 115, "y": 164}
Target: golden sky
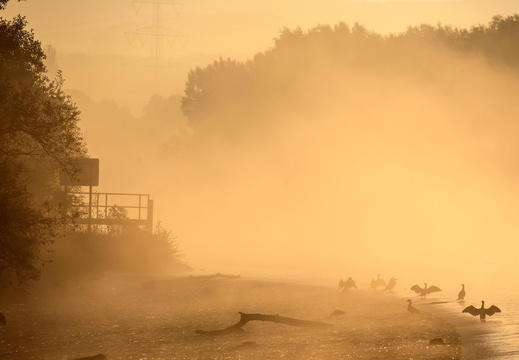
{"x": 235, "y": 27}
{"x": 103, "y": 32}
{"x": 99, "y": 55}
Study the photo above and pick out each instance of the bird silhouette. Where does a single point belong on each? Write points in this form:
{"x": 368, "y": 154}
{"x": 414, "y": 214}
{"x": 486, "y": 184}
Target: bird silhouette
{"x": 376, "y": 283}
{"x": 426, "y": 290}
{"x": 3, "y": 322}
{"x": 461, "y": 294}
{"x": 482, "y": 312}
{"x": 411, "y": 308}
{"x": 348, "y": 284}
{"x": 391, "y": 284}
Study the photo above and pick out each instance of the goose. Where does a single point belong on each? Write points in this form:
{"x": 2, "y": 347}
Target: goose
{"x": 411, "y": 308}
{"x": 425, "y": 291}
{"x": 350, "y": 283}
{"x": 461, "y": 294}
{"x": 391, "y": 284}
{"x": 482, "y": 312}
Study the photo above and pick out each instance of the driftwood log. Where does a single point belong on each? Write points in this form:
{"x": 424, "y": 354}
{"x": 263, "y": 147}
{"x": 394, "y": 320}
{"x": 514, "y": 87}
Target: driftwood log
{"x": 95, "y": 357}
{"x": 245, "y": 318}
{"x": 218, "y": 275}
{"x": 209, "y": 277}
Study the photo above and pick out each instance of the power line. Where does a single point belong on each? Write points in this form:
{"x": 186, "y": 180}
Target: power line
{"x": 157, "y": 33}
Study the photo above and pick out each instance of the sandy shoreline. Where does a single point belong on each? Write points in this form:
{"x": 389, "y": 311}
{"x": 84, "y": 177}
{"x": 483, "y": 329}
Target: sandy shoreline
{"x": 139, "y": 317}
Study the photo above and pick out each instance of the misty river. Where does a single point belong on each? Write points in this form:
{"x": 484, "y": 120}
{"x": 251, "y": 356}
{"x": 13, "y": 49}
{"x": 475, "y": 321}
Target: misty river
{"x": 500, "y": 332}
{"x": 143, "y": 316}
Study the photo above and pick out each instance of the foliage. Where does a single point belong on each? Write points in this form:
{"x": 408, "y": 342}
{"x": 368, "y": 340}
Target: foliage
{"x": 3, "y": 4}
{"x": 117, "y": 213}
{"x": 276, "y": 79}
{"x": 24, "y": 230}
{"x": 208, "y": 88}
{"x": 38, "y": 132}
{"x": 80, "y": 254}
{"x": 36, "y": 117}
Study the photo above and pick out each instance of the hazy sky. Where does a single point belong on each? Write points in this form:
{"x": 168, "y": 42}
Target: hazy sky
{"x": 103, "y": 59}
{"x": 234, "y": 28}
{"x": 103, "y": 50}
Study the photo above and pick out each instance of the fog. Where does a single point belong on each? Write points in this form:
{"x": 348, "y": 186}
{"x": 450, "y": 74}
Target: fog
{"x": 408, "y": 174}
{"x": 99, "y": 55}
{"x": 302, "y": 163}
{"x": 362, "y": 171}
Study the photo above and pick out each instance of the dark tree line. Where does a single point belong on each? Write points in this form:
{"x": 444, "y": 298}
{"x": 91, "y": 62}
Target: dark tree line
{"x": 232, "y": 93}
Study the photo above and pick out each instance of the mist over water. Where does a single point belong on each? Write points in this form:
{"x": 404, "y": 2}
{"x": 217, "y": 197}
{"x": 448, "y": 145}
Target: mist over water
{"x": 308, "y": 164}
{"x": 409, "y": 171}
{"x": 413, "y": 175}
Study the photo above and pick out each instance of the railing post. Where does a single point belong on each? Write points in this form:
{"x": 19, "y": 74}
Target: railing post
{"x": 90, "y": 209}
{"x": 150, "y": 215}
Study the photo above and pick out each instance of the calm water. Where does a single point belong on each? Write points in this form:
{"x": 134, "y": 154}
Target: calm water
{"x": 501, "y": 331}
{"x": 505, "y": 335}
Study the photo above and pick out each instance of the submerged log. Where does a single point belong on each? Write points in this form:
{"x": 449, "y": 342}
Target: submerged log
{"x": 95, "y": 357}
{"x": 213, "y": 276}
{"x": 245, "y": 318}
{"x": 218, "y": 275}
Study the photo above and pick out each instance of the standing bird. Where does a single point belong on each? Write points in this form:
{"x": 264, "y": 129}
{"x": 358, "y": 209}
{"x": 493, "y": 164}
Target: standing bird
{"x": 2, "y": 319}
{"x": 376, "y": 283}
{"x": 461, "y": 294}
{"x": 411, "y": 308}
{"x": 350, "y": 283}
{"x": 425, "y": 291}
{"x": 482, "y": 312}
{"x": 391, "y": 284}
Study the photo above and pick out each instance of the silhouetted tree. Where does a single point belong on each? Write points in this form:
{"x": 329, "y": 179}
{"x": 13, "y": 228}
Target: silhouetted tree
{"x": 38, "y": 133}
{"x": 317, "y": 58}
{"x": 3, "y": 4}
{"x": 224, "y": 84}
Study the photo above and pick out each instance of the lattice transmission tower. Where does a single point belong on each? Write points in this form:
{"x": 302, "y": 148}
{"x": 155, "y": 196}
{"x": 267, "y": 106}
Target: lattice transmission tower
{"x": 157, "y": 33}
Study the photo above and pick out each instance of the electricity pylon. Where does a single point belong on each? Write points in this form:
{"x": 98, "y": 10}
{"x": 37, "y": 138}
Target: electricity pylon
{"x": 157, "y": 32}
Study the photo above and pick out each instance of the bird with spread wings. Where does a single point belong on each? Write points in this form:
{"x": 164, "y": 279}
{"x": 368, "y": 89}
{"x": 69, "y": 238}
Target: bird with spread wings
{"x": 482, "y": 312}
{"x": 423, "y": 292}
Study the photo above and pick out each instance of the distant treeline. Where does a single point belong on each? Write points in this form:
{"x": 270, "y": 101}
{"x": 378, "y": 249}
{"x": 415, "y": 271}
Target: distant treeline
{"x": 337, "y": 59}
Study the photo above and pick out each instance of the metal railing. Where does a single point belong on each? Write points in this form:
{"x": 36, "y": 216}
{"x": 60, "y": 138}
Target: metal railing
{"x": 112, "y": 209}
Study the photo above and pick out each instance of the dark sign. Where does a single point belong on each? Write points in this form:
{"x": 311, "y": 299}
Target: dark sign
{"x": 85, "y": 172}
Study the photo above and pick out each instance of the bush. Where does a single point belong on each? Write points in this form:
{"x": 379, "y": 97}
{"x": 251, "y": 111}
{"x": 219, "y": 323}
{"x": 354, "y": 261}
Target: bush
{"x": 80, "y": 254}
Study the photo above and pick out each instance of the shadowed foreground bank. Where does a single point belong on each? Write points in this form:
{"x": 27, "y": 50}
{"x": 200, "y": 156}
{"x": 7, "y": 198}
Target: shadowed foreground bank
{"x": 135, "y": 317}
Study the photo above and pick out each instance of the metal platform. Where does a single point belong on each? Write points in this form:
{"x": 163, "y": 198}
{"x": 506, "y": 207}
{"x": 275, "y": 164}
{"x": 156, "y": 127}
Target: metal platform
{"x": 108, "y": 209}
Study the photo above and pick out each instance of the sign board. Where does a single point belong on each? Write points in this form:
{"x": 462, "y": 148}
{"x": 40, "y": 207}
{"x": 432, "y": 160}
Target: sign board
{"x": 85, "y": 173}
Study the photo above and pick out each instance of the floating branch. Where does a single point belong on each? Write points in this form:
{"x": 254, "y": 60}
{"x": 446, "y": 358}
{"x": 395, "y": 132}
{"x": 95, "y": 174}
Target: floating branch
{"x": 245, "y": 318}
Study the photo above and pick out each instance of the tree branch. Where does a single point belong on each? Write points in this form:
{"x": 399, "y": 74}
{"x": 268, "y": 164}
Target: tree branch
{"x": 245, "y": 318}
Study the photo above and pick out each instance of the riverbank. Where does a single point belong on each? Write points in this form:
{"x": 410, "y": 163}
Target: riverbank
{"x": 143, "y": 317}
